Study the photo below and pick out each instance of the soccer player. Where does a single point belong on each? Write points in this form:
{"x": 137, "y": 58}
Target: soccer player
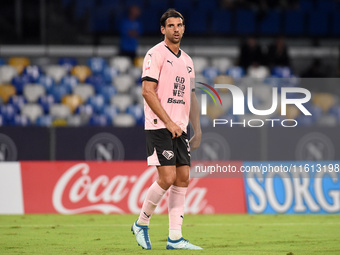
{"x": 169, "y": 103}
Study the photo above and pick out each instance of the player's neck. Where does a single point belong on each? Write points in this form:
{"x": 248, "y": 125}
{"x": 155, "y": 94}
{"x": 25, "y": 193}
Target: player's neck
{"x": 174, "y": 47}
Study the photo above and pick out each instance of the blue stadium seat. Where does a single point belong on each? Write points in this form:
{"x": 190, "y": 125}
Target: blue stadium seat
{"x": 58, "y": 92}
{"x": 47, "y": 81}
{"x": 318, "y": 23}
{"x": 68, "y": 62}
{"x": 20, "y": 120}
{"x": 294, "y": 22}
{"x": 97, "y": 81}
{"x": 70, "y": 81}
{"x": 110, "y": 111}
{"x": 107, "y": 92}
{"x": 197, "y": 22}
{"x": 236, "y": 72}
{"x": 137, "y": 111}
{"x": 335, "y": 16}
{"x": 7, "y": 112}
{"x": 44, "y": 121}
{"x": 110, "y": 73}
{"x": 97, "y": 102}
{"x": 271, "y": 23}
{"x": 17, "y": 101}
{"x": 335, "y": 111}
{"x": 46, "y": 101}
{"x": 245, "y": 22}
{"x": 315, "y": 110}
{"x": 20, "y": 81}
{"x": 84, "y": 110}
{"x": 210, "y": 73}
{"x": 99, "y": 120}
{"x": 305, "y": 120}
{"x": 2, "y": 62}
{"x": 221, "y": 22}
{"x": 281, "y": 72}
{"x": 97, "y": 65}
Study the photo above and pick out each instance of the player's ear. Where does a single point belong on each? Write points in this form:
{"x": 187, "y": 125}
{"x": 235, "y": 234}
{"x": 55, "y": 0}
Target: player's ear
{"x": 163, "y": 30}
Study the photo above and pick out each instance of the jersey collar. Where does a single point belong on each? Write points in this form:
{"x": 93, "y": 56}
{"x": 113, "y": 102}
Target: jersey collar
{"x": 177, "y": 55}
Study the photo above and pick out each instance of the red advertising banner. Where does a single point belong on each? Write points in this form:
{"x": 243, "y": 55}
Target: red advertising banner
{"x": 72, "y": 187}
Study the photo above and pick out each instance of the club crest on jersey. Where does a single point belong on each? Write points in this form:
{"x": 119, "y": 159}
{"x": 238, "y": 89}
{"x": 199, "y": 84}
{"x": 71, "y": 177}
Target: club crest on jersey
{"x": 148, "y": 64}
{"x": 189, "y": 69}
{"x": 168, "y": 154}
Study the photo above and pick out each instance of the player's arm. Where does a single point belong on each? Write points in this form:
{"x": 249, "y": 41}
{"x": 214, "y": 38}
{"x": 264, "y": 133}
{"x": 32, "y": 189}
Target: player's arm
{"x": 150, "y": 96}
{"x": 195, "y": 122}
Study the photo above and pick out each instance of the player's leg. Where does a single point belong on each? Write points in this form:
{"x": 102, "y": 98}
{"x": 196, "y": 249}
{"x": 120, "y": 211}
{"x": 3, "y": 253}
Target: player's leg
{"x": 177, "y": 197}
{"x": 160, "y": 153}
{"x": 176, "y": 210}
{"x": 177, "y": 201}
{"x": 166, "y": 177}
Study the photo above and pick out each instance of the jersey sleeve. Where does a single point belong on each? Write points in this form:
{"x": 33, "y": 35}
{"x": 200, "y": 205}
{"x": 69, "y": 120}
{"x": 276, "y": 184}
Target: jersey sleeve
{"x": 192, "y": 76}
{"x": 151, "y": 66}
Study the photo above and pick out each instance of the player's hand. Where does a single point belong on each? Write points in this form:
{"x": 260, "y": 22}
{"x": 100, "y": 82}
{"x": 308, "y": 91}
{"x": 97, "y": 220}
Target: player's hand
{"x": 195, "y": 142}
{"x": 175, "y": 130}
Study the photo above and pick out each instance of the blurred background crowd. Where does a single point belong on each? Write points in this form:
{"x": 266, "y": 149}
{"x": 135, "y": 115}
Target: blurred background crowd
{"x": 78, "y": 62}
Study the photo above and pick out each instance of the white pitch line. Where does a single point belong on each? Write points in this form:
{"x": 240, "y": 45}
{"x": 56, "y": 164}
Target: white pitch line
{"x": 18, "y": 226}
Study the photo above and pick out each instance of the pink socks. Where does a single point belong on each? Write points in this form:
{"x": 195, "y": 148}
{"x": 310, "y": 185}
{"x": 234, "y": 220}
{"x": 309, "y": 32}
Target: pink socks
{"x": 176, "y": 208}
{"x": 176, "y": 211}
{"x": 153, "y": 197}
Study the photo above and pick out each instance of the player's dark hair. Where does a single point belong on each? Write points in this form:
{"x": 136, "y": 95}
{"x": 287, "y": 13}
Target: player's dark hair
{"x": 170, "y": 13}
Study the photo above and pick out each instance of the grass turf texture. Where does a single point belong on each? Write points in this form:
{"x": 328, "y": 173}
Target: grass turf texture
{"x": 217, "y": 234}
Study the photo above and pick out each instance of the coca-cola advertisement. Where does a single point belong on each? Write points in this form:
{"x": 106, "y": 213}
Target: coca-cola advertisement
{"x": 72, "y": 187}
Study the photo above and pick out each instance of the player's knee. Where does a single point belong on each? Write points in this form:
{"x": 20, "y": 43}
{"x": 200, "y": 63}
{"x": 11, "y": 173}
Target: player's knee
{"x": 182, "y": 180}
{"x": 182, "y": 183}
{"x": 169, "y": 179}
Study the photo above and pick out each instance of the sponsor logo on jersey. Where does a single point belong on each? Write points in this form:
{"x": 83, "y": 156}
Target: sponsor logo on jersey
{"x": 175, "y": 101}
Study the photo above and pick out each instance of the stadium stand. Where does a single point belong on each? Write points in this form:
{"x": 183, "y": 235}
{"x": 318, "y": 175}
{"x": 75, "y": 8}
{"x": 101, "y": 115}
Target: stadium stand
{"x": 106, "y": 90}
{"x": 81, "y": 72}
{"x": 19, "y": 63}
{"x": 7, "y": 73}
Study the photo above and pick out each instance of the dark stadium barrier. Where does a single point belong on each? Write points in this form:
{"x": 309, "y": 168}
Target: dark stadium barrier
{"x": 219, "y": 143}
{"x": 29, "y": 143}
{"x": 100, "y": 143}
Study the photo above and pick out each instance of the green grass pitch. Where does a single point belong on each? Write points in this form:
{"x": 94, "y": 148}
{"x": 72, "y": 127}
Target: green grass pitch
{"x": 217, "y": 234}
